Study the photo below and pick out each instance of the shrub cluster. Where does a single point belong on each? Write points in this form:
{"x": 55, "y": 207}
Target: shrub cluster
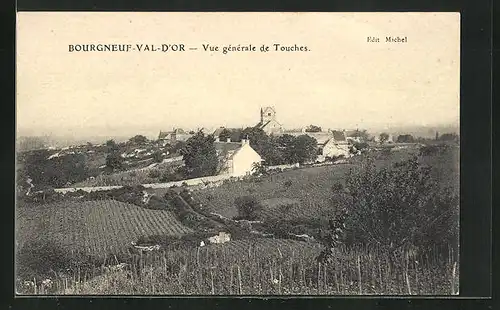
{"x": 43, "y": 259}
{"x": 398, "y": 206}
{"x": 248, "y": 208}
{"x": 434, "y": 149}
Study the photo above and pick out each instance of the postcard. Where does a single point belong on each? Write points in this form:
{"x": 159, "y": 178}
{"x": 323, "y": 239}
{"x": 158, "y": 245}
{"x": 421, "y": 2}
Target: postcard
{"x": 247, "y": 154}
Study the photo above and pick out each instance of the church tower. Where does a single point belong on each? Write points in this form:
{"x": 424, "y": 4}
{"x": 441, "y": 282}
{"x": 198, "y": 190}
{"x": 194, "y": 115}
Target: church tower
{"x": 267, "y": 114}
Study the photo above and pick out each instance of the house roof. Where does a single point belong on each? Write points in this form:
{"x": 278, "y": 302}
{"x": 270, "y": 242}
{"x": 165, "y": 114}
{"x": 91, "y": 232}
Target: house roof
{"x": 163, "y": 134}
{"x": 226, "y": 146}
{"x": 263, "y": 125}
{"x": 321, "y": 137}
{"x": 219, "y": 130}
{"x": 265, "y": 109}
{"x": 351, "y": 133}
{"x": 177, "y": 131}
{"x": 339, "y": 135}
{"x": 293, "y": 130}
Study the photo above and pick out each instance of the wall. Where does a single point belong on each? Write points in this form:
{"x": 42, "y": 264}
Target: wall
{"x": 273, "y": 127}
{"x": 244, "y": 159}
{"x": 189, "y": 182}
{"x": 335, "y": 149}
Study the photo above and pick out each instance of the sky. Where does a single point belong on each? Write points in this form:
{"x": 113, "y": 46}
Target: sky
{"x": 342, "y": 81}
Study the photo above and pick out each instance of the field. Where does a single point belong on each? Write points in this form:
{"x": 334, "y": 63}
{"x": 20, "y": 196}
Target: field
{"x": 94, "y": 227}
{"x": 310, "y": 188}
{"x": 129, "y": 177}
{"x": 242, "y": 266}
{"x": 307, "y": 186}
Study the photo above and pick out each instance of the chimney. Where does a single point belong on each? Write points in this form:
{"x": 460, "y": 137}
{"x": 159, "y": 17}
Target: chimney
{"x": 245, "y": 140}
{"x": 228, "y": 140}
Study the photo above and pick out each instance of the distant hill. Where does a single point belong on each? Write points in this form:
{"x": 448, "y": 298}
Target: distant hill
{"x": 418, "y": 131}
{"x": 25, "y": 143}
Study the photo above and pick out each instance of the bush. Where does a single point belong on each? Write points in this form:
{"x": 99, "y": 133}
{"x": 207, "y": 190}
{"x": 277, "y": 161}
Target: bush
{"x": 278, "y": 227}
{"x": 258, "y": 169}
{"x": 248, "y": 207}
{"x": 429, "y": 150}
{"x": 288, "y": 183}
{"x": 337, "y": 187}
{"x": 334, "y": 158}
{"x": 158, "y": 203}
{"x": 358, "y": 146}
{"x": 285, "y": 209}
{"x": 114, "y": 162}
{"x": 154, "y": 174}
{"x": 43, "y": 259}
{"x": 398, "y": 206}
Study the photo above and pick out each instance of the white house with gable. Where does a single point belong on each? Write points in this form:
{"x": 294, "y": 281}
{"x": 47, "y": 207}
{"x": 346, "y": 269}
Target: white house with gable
{"x": 336, "y": 145}
{"x": 222, "y": 237}
{"x": 236, "y": 158}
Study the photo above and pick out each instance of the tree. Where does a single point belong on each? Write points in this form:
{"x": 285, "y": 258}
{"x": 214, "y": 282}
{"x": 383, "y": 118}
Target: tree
{"x": 405, "y": 139}
{"x": 303, "y": 149}
{"x": 398, "y": 206}
{"x": 179, "y": 145}
{"x": 111, "y": 146}
{"x": 384, "y": 137}
{"x": 200, "y": 156}
{"x": 358, "y": 147}
{"x": 285, "y": 145}
{"x": 258, "y": 169}
{"x": 225, "y": 134}
{"x": 54, "y": 172}
{"x": 257, "y": 136}
{"x": 138, "y": 139}
{"x": 114, "y": 162}
{"x": 361, "y": 134}
{"x": 313, "y": 128}
{"x": 236, "y": 135}
{"x": 284, "y": 141}
{"x": 449, "y": 137}
{"x": 263, "y": 145}
{"x": 248, "y": 207}
{"x": 158, "y": 157}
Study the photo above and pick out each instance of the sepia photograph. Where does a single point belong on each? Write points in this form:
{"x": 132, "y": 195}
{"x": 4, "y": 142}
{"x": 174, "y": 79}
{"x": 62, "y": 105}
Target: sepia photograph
{"x": 237, "y": 154}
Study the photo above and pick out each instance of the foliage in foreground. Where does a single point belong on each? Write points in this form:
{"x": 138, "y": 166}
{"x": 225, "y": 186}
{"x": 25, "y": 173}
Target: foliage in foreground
{"x": 397, "y": 207}
{"x": 257, "y": 270}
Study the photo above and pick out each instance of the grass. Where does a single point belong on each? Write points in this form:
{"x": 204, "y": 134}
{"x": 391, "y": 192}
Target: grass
{"x": 308, "y": 188}
{"x": 311, "y": 187}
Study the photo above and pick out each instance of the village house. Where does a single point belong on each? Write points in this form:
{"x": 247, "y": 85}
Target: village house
{"x": 236, "y": 158}
{"x": 331, "y": 143}
{"x": 336, "y": 145}
{"x": 177, "y": 134}
{"x": 216, "y": 133}
{"x": 268, "y": 121}
{"x": 222, "y": 237}
{"x": 352, "y": 136}
{"x": 389, "y": 140}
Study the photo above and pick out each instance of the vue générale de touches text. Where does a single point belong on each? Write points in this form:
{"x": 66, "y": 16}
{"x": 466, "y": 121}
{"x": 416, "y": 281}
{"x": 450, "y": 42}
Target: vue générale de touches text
{"x": 165, "y": 48}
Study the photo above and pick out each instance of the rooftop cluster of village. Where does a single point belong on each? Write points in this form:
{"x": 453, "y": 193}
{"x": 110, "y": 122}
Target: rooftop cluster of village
{"x": 181, "y": 154}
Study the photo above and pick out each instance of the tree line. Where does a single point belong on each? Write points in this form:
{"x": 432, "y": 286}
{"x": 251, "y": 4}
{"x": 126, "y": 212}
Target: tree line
{"x": 200, "y": 155}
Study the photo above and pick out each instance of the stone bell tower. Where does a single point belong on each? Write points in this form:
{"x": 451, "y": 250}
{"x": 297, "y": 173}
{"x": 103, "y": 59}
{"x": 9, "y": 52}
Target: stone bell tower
{"x": 267, "y": 114}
